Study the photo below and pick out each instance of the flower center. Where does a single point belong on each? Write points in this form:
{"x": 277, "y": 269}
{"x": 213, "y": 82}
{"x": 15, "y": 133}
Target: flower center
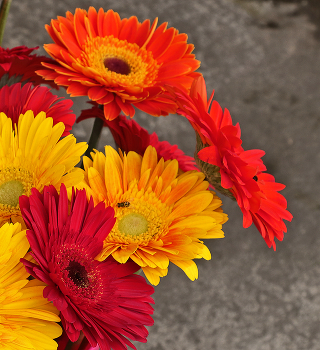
{"x": 117, "y": 65}
{"x": 78, "y": 274}
{"x": 140, "y": 222}
{"x": 133, "y": 224}
{"x": 14, "y": 182}
{"x": 118, "y": 62}
{"x": 10, "y": 192}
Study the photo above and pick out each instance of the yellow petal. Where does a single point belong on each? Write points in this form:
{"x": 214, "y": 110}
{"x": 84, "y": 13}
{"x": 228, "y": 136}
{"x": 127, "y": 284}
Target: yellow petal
{"x": 123, "y": 254}
{"x": 193, "y": 204}
{"x": 189, "y": 267}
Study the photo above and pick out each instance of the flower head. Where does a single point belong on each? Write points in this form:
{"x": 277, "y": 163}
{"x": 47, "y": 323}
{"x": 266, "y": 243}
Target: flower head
{"x": 31, "y": 155}
{"x": 17, "y": 99}
{"x": 119, "y": 63}
{"x": 27, "y": 319}
{"x": 105, "y": 299}
{"x": 161, "y": 216}
{"x": 18, "y": 65}
{"x": 130, "y": 136}
{"x": 233, "y": 171}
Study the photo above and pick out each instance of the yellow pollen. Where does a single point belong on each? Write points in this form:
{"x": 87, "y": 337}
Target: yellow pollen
{"x": 133, "y": 224}
{"x": 142, "y": 221}
{"x": 10, "y": 192}
{"x": 14, "y": 182}
{"x": 137, "y": 66}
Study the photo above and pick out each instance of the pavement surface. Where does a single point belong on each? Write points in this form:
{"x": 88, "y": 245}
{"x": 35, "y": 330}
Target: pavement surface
{"x": 262, "y": 58}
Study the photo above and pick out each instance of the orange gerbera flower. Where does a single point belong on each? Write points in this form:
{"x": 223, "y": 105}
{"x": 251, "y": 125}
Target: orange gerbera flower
{"x": 161, "y": 216}
{"x": 119, "y": 63}
{"x": 233, "y": 171}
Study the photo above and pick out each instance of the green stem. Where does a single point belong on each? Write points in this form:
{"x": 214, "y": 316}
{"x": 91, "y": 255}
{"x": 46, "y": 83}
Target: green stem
{"x": 94, "y": 138}
{"x": 4, "y": 10}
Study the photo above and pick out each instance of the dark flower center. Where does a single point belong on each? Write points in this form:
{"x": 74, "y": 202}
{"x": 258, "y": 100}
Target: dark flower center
{"x": 78, "y": 274}
{"x": 117, "y": 65}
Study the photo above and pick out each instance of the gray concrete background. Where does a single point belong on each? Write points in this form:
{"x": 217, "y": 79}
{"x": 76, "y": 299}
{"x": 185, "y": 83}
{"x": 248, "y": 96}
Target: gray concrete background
{"x": 262, "y": 59}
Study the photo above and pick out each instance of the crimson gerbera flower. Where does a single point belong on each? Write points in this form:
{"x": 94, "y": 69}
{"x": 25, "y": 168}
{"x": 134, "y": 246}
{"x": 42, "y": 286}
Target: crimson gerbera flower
{"x": 105, "y": 300}
{"x": 119, "y": 63}
{"x": 130, "y": 136}
{"x": 229, "y": 168}
{"x": 18, "y": 65}
{"x": 17, "y": 99}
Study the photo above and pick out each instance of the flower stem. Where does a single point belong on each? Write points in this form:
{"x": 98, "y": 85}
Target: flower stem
{"x": 4, "y": 10}
{"x": 95, "y": 135}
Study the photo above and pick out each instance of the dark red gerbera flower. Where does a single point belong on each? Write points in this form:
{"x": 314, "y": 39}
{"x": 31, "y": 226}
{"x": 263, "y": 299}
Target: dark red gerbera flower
{"x": 105, "y": 300}
{"x": 130, "y": 136}
{"x": 17, "y": 99}
{"x": 233, "y": 171}
{"x": 18, "y": 65}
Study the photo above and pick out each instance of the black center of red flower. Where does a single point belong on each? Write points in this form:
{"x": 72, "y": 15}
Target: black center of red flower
{"x": 255, "y": 178}
{"x": 78, "y": 274}
{"x": 117, "y": 65}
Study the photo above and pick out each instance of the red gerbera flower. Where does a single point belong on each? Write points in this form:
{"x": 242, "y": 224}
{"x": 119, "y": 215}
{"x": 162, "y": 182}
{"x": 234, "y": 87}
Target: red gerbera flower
{"x": 105, "y": 299}
{"x": 130, "y": 136}
{"x": 17, "y": 99}
{"x": 119, "y": 63}
{"x": 17, "y": 65}
{"x": 232, "y": 170}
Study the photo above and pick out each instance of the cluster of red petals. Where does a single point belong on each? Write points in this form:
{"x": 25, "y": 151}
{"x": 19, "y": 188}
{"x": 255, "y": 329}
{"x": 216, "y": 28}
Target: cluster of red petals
{"x": 130, "y": 136}
{"x": 168, "y": 47}
{"x": 17, "y": 64}
{"x": 17, "y": 99}
{"x": 105, "y": 300}
{"x": 242, "y": 172}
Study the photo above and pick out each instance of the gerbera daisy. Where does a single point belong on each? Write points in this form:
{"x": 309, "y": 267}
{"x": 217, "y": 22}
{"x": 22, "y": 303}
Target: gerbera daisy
{"x": 161, "y": 216}
{"x": 18, "y": 65}
{"x": 31, "y": 155}
{"x": 119, "y": 63}
{"x": 27, "y": 319}
{"x": 130, "y": 136}
{"x": 232, "y": 170}
{"x": 17, "y": 99}
{"x": 105, "y": 300}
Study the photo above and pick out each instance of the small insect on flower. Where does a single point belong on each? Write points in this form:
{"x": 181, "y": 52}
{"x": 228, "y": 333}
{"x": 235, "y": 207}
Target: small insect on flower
{"x": 123, "y": 204}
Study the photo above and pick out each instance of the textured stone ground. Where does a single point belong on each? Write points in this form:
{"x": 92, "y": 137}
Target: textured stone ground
{"x": 263, "y": 62}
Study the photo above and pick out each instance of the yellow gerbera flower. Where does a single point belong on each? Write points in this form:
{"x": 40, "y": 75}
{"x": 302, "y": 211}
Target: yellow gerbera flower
{"x": 31, "y": 155}
{"x": 27, "y": 319}
{"x": 161, "y": 216}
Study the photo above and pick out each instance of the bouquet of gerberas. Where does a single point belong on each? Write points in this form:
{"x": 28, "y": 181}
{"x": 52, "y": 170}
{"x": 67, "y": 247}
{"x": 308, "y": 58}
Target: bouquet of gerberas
{"x": 73, "y": 238}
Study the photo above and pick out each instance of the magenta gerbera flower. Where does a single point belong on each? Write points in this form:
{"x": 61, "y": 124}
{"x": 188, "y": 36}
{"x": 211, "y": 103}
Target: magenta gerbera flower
{"x": 105, "y": 300}
{"x": 130, "y": 136}
{"x": 18, "y": 99}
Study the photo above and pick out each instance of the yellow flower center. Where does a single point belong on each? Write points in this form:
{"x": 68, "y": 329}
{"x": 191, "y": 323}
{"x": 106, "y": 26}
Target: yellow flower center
{"x": 14, "y": 182}
{"x": 141, "y": 221}
{"x": 119, "y": 62}
{"x": 133, "y": 224}
{"x": 10, "y": 192}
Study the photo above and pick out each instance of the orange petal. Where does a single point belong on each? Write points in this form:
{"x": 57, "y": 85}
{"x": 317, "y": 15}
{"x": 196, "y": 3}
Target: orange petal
{"x": 111, "y": 110}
